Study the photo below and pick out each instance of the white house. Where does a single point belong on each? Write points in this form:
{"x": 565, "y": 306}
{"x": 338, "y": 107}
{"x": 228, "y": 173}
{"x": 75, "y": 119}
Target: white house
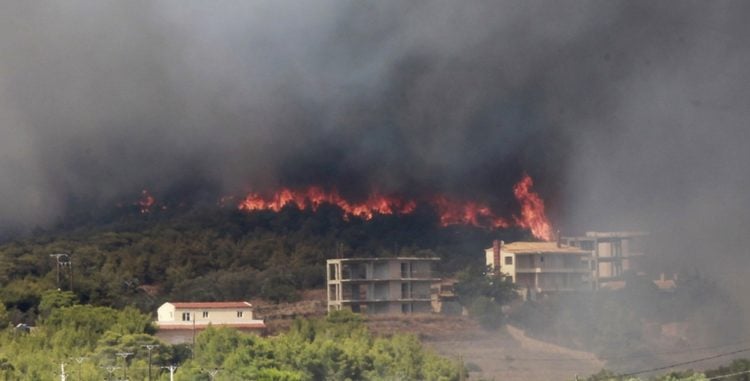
{"x": 178, "y": 321}
{"x": 541, "y": 267}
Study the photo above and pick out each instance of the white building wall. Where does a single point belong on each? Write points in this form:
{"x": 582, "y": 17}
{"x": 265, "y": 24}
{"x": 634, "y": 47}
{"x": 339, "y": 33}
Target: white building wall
{"x": 167, "y": 313}
{"x": 489, "y": 258}
{"x": 508, "y": 269}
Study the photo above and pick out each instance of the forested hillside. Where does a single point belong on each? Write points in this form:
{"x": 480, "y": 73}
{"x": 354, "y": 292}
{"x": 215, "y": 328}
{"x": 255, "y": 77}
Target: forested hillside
{"x": 88, "y": 339}
{"x": 129, "y": 258}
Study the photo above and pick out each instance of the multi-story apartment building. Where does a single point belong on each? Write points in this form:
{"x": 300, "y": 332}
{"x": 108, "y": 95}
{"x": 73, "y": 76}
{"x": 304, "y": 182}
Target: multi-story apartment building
{"x": 381, "y": 285}
{"x": 613, "y": 253}
{"x": 541, "y": 267}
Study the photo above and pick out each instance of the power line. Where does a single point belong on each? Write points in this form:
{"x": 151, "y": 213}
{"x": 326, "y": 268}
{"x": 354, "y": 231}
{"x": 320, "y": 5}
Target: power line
{"x": 691, "y": 350}
{"x": 727, "y": 375}
{"x": 685, "y": 362}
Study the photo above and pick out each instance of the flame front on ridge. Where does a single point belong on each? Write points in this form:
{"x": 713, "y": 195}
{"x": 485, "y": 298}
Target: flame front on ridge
{"x": 450, "y": 211}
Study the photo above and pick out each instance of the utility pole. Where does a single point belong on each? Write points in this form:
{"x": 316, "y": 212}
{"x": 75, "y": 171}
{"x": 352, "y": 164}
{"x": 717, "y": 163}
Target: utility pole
{"x": 461, "y": 368}
{"x": 70, "y": 271}
{"x": 171, "y": 368}
{"x": 124, "y": 356}
{"x": 212, "y": 373}
{"x": 59, "y": 259}
{"x": 79, "y": 360}
{"x": 111, "y": 370}
{"x": 63, "y": 376}
{"x": 192, "y": 353}
{"x": 149, "y": 347}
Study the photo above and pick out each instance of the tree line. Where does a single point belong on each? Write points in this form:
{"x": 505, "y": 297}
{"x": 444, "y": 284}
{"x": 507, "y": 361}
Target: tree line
{"x": 216, "y": 254}
{"x": 96, "y": 343}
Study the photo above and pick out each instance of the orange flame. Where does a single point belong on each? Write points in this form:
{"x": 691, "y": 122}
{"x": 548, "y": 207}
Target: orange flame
{"x": 468, "y": 213}
{"x": 451, "y": 212}
{"x": 532, "y": 216}
{"x": 313, "y": 197}
{"x": 146, "y": 202}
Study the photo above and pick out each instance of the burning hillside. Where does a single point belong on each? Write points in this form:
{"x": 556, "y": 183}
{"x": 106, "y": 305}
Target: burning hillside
{"x": 450, "y": 211}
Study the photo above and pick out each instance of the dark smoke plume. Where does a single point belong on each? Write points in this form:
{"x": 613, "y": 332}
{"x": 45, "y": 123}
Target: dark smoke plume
{"x": 629, "y": 114}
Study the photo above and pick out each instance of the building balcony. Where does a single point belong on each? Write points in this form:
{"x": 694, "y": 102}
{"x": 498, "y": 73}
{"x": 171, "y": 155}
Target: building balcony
{"x": 560, "y": 270}
{"x": 388, "y": 278}
{"x": 556, "y": 288}
{"x": 384, "y": 300}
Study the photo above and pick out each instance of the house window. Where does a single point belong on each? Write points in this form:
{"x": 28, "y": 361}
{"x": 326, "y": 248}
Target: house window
{"x": 405, "y": 271}
{"x": 541, "y": 259}
{"x": 239, "y": 314}
{"x": 186, "y": 316}
{"x": 331, "y": 271}
{"x": 509, "y": 260}
{"x": 332, "y": 294}
{"x": 405, "y": 308}
{"x": 205, "y": 314}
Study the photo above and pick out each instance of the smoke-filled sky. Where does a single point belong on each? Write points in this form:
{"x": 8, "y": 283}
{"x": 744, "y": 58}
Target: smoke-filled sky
{"x": 628, "y": 114}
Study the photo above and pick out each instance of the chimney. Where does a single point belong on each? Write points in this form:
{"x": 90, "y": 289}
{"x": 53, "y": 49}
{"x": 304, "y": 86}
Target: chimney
{"x": 497, "y": 247}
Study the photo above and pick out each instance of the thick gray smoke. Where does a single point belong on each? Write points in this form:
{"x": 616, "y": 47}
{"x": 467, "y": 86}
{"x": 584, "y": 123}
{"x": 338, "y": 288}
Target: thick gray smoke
{"x": 627, "y": 114}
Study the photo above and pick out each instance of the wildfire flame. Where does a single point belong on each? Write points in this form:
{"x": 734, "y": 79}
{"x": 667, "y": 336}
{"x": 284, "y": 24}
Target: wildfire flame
{"x": 468, "y": 213}
{"x": 451, "y": 211}
{"x": 532, "y": 210}
{"x": 313, "y": 197}
{"x": 146, "y": 202}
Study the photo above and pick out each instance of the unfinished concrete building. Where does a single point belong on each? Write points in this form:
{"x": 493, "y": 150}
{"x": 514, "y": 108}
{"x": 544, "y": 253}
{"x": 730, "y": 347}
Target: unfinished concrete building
{"x": 400, "y": 285}
{"x": 612, "y": 254}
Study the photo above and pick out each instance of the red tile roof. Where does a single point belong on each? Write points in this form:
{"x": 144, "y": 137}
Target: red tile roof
{"x": 210, "y": 305}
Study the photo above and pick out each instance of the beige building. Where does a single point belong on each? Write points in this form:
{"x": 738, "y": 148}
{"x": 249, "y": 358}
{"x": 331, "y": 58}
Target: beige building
{"x": 613, "y": 253}
{"x": 178, "y": 322}
{"x": 381, "y": 285}
{"x": 541, "y": 267}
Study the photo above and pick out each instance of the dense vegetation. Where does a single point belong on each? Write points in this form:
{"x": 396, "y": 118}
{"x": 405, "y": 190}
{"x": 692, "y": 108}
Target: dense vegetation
{"x": 87, "y": 339}
{"x": 127, "y": 264}
{"x": 217, "y": 254}
{"x": 484, "y": 295}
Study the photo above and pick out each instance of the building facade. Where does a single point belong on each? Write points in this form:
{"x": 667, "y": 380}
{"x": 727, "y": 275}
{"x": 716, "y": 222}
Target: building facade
{"x": 613, "y": 253}
{"x": 541, "y": 267}
{"x": 177, "y": 322}
{"x": 400, "y": 285}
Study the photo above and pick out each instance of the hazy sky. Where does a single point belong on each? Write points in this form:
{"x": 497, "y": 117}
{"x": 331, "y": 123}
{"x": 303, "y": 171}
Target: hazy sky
{"x": 629, "y": 114}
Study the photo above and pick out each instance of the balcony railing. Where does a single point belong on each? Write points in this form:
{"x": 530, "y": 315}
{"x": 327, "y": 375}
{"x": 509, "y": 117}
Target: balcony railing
{"x": 582, "y": 269}
{"x": 347, "y": 275}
